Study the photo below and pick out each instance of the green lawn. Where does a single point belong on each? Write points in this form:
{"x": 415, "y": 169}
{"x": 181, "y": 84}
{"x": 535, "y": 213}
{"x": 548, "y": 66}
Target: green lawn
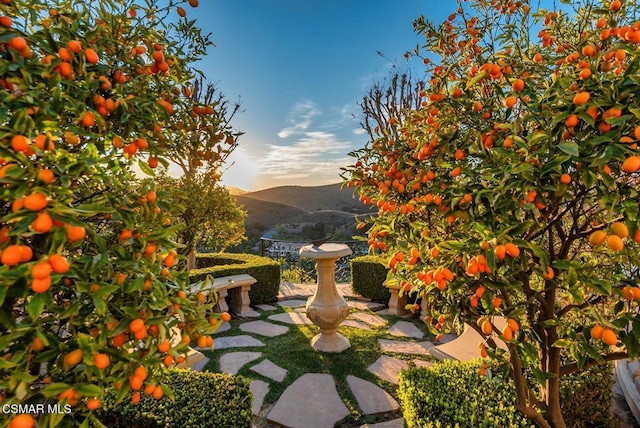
{"x": 292, "y": 352}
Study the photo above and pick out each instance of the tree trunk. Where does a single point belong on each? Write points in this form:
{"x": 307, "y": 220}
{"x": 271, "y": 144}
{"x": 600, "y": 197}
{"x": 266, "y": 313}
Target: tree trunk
{"x": 552, "y": 388}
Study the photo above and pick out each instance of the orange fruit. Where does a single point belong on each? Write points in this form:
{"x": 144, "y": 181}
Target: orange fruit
{"x": 565, "y": 178}
{"x": 513, "y": 324}
{"x": 135, "y": 382}
{"x": 20, "y": 143}
{"x": 18, "y": 43}
{"x": 12, "y": 255}
{"x": 41, "y": 270}
{"x": 4, "y": 235}
{"x": 41, "y": 285}
{"x": 571, "y": 121}
{"x": 609, "y": 337}
{"x": 507, "y": 333}
{"x": 88, "y": 119}
{"x": 597, "y": 238}
{"x": 225, "y": 316}
{"x": 631, "y": 164}
{"x": 511, "y": 101}
{"x": 168, "y": 360}
{"x": 74, "y": 233}
{"x": 151, "y": 196}
{"x": 93, "y": 403}
{"x": 59, "y": 263}
{"x": 43, "y": 223}
{"x": 148, "y": 390}
{"x": 202, "y": 342}
{"x": 596, "y": 332}
{"x": 135, "y": 398}
{"x": 500, "y": 251}
{"x": 193, "y": 3}
{"x": 22, "y": 420}
{"x": 6, "y": 22}
{"x": 64, "y": 54}
{"x": 549, "y": 274}
{"x": 619, "y": 229}
{"x": 136, "y": 325}
{"x": 74, "y": 46}
{"x": 35, "y": 202}
{"x": 487, "y": 327}
{"x": 69, "y": 394}
{"x": 581, "y": 98}
{"x": 101, "y": 361}
{"x": 26, "y": 253}
{"x": 119, "y": 340}
{"x": 615, "y": 5}
{"x": 164, "y": 346}
{"x": 91, "y": 56}
{"x": 496, "y": 302}
{"x": 169, "y": 261}
{"x": 614, "y": 242}
{"x": 72, "y": 358}
{"x": 46, "y": 176}
{"x": 37, "y": 344}
{"x": 158, "y": 393}
{"x": 512, "y": 249}
{"x": 518, "y": 85}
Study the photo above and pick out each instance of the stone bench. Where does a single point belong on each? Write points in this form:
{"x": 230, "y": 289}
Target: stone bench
{"x": 235, "y": 286}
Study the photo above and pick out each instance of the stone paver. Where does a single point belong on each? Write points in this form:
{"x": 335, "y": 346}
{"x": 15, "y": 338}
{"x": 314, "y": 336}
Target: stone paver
{"x": 242, "y": 341}
{"x": 292, "y": 318}
{"x": 422, "y": 363}
{"x": 388, "y": 368}
{"x": 232, "y": 362}
{"x": 199, "y": 365}
{"x": 396, "y": 423}
{"x": 288, "y": 290}
{"x": 249, "y": 314}
{"x": 259, "y": 389}
{"x": 406, "y": 329}
{"x": 365, "y": 306}
{"x": 370, "y": 319}
{"x": 312, "y": 401}
{"x": 404, "y": 347}
{"x": 294, "y": 303}
{"x": 265, "y": 307}
{"x": 371, "y": 398}
{"x": 263, "y": 328}
{"x": 355, "y": 324}
{"x": 223, "y": 327}
{"x": 268, "y": 369}
{"x": 390, "y": 312}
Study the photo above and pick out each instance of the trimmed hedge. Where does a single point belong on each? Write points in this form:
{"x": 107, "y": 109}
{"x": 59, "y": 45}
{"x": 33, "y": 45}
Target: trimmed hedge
{"x": 442, "y": 396}
{"x": 265, "y": 270}
{"x": 368, "y": 273}
{"x": 452, "y": 393}
{"x": 201, "y": 400}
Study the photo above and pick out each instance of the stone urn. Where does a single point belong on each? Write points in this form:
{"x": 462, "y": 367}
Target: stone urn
{"x": 326, "y": 308}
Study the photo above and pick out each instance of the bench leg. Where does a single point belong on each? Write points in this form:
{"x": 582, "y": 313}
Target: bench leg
{"x": 222, "y": 306}
{"x": 396, "y": 303}
{"x": 240, "y": 302}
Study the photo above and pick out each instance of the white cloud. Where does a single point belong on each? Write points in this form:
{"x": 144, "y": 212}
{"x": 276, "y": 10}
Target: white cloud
{"x": 299, "y": 119}
{"x": 316, "y": 154}
{"x": 359, "y": 131}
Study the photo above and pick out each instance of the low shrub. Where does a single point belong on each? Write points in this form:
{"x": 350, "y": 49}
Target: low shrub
{"x": 586, "y": 397}
{"x": 201, "y": 400}
{"x": 452, "y": 393}
{"x": 368, "y": 274}
{"x": 265, "y": 270}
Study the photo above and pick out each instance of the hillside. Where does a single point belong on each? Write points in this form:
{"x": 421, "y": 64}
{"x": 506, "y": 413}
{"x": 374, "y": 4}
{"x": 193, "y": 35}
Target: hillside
{"x": 312, "y": 198}
{"x": 317, "y": 224}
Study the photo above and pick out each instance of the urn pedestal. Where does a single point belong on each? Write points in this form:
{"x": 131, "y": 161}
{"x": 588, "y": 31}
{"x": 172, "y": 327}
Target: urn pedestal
{"x": 327, "y": 308}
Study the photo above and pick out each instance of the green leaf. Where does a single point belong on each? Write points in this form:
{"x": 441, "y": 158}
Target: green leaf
{"x": 572, "y": 276}
{"x": 570, "y": 148}
{"x": 3, "y": 294}
{"x": 90, "y": 390}
{"x": 146, "y": 168}
{"x": 35, "y": 306}
{"x": 600, "y": 285}
{"x": 561, "y": 343}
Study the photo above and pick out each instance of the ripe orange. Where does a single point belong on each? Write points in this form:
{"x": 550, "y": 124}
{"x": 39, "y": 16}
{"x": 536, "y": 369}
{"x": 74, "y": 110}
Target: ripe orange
{"x": 41, "y": 285}
{"x": 193, "y": 3}
{"x": 136, "y": 325}
{"x": 500, "y": 251}
{"x": 496, "y": 302}
{"x": 119, "y": 340}
{"x": 571, "y": 121}
{"x": 518, "y": 85}
{"x": 22, "y": 420}
{"x": 631, "y": 164}
{"x": 20, "y": 143}
{"x": 18, "y": 43}
{"x": 619, "y": 229}
{"x": 74, "y": 46}
{"x": 507, "y": 333}
{"x": 609, "y": 337}
{"x": 101, "y": 361}
{"x": 597, "y": 238}
{"x": 43, "y": 223}
{"x": 225, "y": 316}
{"x": 151, "y": 196}
{"x": 72, "y": 358}
{"x": 41, "y": 270}
{"x": 91, "y": 56}
{"x": 565, "y": 178}
{"x": 59, "y": 263}
{"x": 135, "y": 382}
{"x": 164, "y": 346}
{"x": 168, "y": 360}
{"x": 549, "y": 274}
{"x": 35, "y": 202}
{"x": 74, "y": 233}
{"x": 88, "y": 119}
{"x": 596, "y": 332}
{"x": 46, "y": 176}
{"x": 615, "y": 5}
{"x": 93, "y": 403}
{"x": 581, "y": 98}
{"x": 512, "y": 249}
{"x": 614, "y": 242}
{"x": 486, "y": 327}
{"x": 37, "y": 344}
{"x": 69, "y": 394}
{"x": 135, "y": 398}
{"x": 12, "y": 255}
{"x": 513, "y": 324}
{"x": 511, "y": 101}
{"x": 6, "y": 22}
{"x": 158, "y": 393}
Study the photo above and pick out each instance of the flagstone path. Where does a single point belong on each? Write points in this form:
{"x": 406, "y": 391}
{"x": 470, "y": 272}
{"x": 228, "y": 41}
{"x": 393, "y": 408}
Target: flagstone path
{"x": 293, "y": 408}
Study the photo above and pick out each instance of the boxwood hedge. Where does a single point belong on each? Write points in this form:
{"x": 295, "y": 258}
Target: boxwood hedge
{"x": 265, "y": 270}
{"x": 368, "y": 273}
{"x": 201, "y": 400}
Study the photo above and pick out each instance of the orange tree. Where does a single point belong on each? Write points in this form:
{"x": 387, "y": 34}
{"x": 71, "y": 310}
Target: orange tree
{"x": 89, "y": 291}
{"x": 525, "y": 149}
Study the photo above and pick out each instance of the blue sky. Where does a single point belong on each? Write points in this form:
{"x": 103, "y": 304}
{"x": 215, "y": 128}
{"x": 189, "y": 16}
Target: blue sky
{"x": 300, "y": 68}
